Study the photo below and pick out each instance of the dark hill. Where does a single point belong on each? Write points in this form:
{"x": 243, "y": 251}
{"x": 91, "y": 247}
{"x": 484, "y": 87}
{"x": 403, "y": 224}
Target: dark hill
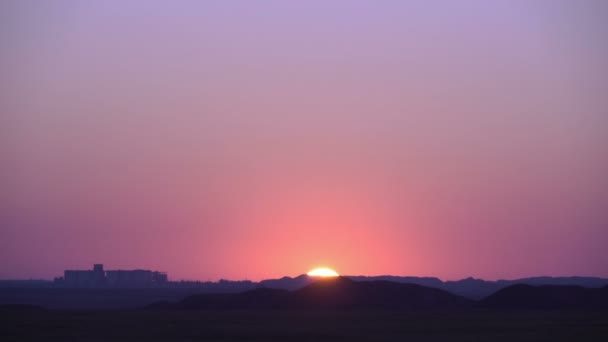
{"x": 333, "y": 293}
{"x": 478, "y": 288}
{"x": 343, "y": 293}
{"x": 547, "y": 297}
{"x": 287, "y": 283}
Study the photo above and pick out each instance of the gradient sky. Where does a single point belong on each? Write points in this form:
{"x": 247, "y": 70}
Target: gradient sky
{"x": 257, "y": 139}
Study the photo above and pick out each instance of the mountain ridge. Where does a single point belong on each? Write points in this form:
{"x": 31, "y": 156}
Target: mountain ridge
{"x": 342, "y": 293}
{"x": 547, "y": 297}
{"x": 332, "y": 293}
{"x": 472, "y": 288}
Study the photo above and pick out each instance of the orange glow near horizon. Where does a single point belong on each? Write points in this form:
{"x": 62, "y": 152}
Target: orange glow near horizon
{"x": 323, "y": 272}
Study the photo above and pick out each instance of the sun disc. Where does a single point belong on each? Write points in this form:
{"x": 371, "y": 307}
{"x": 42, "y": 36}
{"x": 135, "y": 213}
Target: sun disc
{"x": 323, "y": 272}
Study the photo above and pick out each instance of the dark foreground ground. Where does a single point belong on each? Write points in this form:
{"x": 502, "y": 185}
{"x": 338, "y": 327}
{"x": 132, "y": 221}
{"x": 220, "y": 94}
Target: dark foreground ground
{"x": 470, "y": 325}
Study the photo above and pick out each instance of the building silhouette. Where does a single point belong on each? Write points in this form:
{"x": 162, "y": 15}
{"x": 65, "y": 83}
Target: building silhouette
{"x": 98, "y": 278}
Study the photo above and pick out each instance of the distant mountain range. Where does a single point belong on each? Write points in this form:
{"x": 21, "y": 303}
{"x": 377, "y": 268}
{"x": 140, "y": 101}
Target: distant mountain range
{"x": 346, "y": 294}
{"x": 470, "y": 287}
{"x": 330, "y": 293}
{"x": 304, "y": 292}
{"x": 478, "y": 288}
{"x": 547, "y": 297}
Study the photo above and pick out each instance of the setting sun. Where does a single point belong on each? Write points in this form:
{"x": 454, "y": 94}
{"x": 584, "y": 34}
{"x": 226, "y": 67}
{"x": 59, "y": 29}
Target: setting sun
{"x": 323, "y": 272}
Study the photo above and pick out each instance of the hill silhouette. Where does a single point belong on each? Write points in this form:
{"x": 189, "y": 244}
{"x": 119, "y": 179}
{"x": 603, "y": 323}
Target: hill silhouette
{"x": 549, "y": 297}
{"x": 224, "y": 292}
{"x": 54, "y": 295}
{"x": 476, "y": 289}
{"x": 287, "y": 283}
{"x": 332, "y": 293}
{"x": 344, "y": 293}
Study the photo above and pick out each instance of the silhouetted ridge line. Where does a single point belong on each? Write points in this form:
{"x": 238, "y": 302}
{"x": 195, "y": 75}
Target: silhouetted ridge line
{"x": 478, "y": 288}
{"x": 52, "y": 296}
{"x": 547, "y": 297}
{"x": 99, "y": 278}
{"x": 333, "y": 293}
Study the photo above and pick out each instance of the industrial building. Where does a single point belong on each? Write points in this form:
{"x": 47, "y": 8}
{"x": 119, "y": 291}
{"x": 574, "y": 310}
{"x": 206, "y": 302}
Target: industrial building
{"x": 98, "y": 278}
{"x": 135, "y": 278}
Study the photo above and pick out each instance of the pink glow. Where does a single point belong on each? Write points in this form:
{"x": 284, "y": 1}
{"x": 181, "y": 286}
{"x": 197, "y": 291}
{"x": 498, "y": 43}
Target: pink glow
{"x": 259, "y": 139}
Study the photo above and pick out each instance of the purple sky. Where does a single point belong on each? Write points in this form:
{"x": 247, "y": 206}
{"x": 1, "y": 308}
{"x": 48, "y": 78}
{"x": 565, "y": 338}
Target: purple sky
{"x": 256, "y": 139}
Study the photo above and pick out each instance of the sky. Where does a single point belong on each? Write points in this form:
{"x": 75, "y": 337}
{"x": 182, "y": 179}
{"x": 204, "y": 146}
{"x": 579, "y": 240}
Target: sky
{"x": 260, "y": 139}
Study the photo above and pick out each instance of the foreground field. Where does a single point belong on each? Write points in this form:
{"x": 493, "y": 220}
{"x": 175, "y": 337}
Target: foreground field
{"x": 35, "y": 325}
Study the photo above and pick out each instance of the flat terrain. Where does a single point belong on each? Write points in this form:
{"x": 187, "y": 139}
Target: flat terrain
{"x": 153, "y": 325}
{"x": 83, "y": 299}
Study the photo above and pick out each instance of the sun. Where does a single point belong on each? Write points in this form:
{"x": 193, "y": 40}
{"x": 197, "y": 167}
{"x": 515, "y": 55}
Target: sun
{"x": 323, "y": 272}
